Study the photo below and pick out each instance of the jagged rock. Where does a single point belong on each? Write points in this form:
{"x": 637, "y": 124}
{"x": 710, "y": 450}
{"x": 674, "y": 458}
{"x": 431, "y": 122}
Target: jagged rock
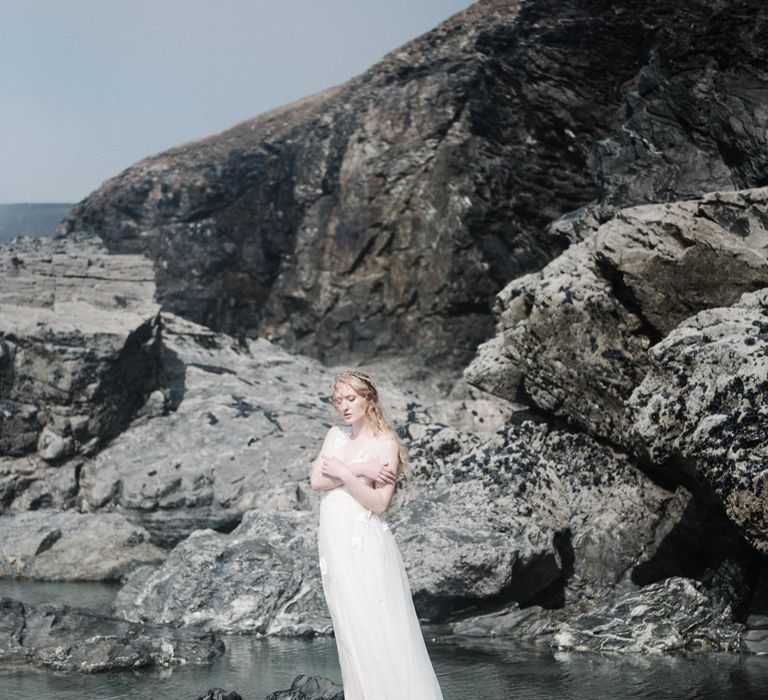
{"x": 79, "y": 345}
{"x": 532, "y": 623}
{"x": 220, "y": 694}
{"x": 263, "y": 577}
{"x": 674, "y": 615}
{"x": 309, "y": 688}
{"x": 531, "y": 514}
{"x": 703, "y": 408}
{"x": 574, "y": 338}
{"x": 60, "y": 638}
{"x": 688, "y": 123}
{"x": 65, "y": 546}
{"x": 383, "y": 214}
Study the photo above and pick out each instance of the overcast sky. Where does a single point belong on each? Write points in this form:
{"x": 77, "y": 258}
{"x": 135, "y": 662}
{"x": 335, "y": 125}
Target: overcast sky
{"x": 88, "y": 87}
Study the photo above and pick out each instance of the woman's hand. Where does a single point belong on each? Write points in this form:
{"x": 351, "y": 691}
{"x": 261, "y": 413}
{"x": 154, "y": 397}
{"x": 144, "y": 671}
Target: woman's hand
{"x": 333, "y": 467}
{"x": 382, "y": 474}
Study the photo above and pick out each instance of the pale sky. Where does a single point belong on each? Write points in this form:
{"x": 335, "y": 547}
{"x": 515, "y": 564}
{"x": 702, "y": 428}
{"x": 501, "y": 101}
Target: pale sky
{"x": 88, "y": 87}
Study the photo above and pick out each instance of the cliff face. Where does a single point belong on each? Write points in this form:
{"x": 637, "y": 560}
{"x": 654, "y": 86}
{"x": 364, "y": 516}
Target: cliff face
{"x": 384, "y": 214}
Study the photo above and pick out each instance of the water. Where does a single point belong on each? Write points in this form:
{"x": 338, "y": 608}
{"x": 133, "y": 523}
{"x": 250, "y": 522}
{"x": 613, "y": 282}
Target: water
{"x": 468, "y": 669}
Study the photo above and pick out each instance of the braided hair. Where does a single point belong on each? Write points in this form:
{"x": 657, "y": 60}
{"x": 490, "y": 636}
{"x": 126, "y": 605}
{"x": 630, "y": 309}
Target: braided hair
{"x": 363, "y": 385}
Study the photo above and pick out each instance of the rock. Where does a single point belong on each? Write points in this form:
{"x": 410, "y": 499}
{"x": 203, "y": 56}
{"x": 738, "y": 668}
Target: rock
{"x": 309, "y": 688}
{"x": 686, "y": 124}
{"x": 574, "y": 339}
{"x": 65, "y": 546}
{"x": 676, "y": 614}
{"x": 531, "y": 623}
{"x": 262, "y": 578}
{"x": 382, "y": 215}
{"x": 220, "y": 694}
{"x": 531, "y": 514}
{"x": 702, "y": 408}
{"x": 60, "y": 638}
{"x": 79, "y": 345}
{"x": 755, "y": 635}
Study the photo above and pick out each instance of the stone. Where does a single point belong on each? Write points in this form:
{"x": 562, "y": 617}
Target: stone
{"x": 60, "y": 638}
{"x": 79, "y": 345}
{"x": 677, "y": 614}
{"x": 220, "y": 694}
{"x": 51, "y": 545}
{"x": 574, "y": 339}
{"x": 702, "y": 409}
{"x": 309, "y": 688}
{"x": 262, "y": 578}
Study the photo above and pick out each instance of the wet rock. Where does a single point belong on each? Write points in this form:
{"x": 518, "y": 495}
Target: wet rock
{"x": 220, "y": 694}
{"x": 755, "y": 635}
{"x": 60, "y": 638}
{"x": 573, "y": 339}
{"x": 382, "y": 215}
{"x": 531, "y": 623}
{"x": 309, "y": 688}
{"x": 79, "y": 345}
{"x": 674, "y": 615}
{"x": 50, "y": 545}
{"x": 702, "y": 408}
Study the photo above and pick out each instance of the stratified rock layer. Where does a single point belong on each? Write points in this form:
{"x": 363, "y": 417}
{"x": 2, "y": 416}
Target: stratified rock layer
{"x": 79, "y": 345}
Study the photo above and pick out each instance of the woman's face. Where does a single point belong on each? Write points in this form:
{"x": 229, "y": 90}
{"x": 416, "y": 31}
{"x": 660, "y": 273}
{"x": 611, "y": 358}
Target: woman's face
{"x": 349, "y": 404}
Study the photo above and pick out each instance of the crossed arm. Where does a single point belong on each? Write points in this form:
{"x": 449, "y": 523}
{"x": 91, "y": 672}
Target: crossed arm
{"x": 330, "y": 472}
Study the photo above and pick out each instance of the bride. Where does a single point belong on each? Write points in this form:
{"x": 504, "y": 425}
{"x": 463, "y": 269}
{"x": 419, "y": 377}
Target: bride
{"x": 381, "y": 649}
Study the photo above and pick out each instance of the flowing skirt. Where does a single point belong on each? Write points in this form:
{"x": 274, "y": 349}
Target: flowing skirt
{"x": 379, "y": 641}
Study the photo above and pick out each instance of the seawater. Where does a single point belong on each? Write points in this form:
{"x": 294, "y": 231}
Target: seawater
{"x": 467, "y": 668}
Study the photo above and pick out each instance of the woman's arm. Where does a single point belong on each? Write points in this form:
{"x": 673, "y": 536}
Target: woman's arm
{"x": 317, "y": 480}
{"x": 375, "y": 499}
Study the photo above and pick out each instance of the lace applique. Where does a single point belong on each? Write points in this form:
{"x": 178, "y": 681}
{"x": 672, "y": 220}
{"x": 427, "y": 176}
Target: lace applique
{"x": 323, "y": 566}
{"x": 356, "y": 541}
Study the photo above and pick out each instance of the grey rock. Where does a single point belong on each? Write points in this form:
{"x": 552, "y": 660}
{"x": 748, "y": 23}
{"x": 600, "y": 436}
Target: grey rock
{"x": 79, "y": 345}
{"x": 309, "y": 688}
{"x": 530, "y": 623}
{"x": 50, "y": 545}
{"x": 220, "y": 694}
{"x": 674, "y": 615}
{"x": 702, "y": 408}
{"x": 261, "y": 578}
{"x": 60, "y": 638}
{"x": 515, "y": 517}
{"x": 574, "y": 338}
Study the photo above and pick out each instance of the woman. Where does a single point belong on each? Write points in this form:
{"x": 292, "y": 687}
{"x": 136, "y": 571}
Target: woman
{"x": 381, "y": 648}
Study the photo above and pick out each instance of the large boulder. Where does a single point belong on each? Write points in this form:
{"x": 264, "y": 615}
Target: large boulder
{"x": 60, "y": 638}
{"x": 574, "y": 338}
{"x": 702, "y": 409}
{"x": 49, "y": 545}
{"x": 383, "y": 214}
{"x": 79, "y": 346}
{"x": 261, "y": 578}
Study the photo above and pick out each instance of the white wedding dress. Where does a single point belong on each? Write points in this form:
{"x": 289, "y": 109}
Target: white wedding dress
{"x": 380, "y": 644}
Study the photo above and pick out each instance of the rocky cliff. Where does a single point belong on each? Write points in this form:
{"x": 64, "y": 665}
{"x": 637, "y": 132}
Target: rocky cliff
{"x": 384, "y": 214}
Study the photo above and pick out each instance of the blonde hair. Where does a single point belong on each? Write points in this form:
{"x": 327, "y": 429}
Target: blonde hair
{"x": 363, "y": 385}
